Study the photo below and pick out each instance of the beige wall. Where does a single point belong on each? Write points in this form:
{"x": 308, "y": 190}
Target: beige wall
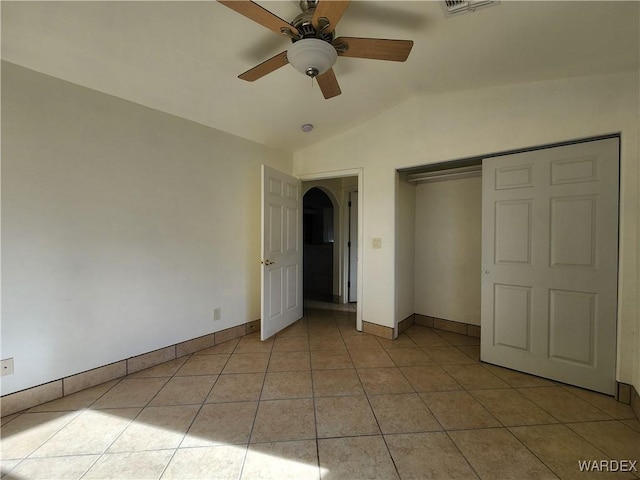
{"x": 437, "y": 128}
{"x": 405, "y": 249}
{"x": 122, "y": 228}
{"x": 448, "y": 249}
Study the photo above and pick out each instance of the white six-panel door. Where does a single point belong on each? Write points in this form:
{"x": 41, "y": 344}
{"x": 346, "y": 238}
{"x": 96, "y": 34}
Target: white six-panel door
{"x": 281, "y": 251}
{"x": 549, "y": 257}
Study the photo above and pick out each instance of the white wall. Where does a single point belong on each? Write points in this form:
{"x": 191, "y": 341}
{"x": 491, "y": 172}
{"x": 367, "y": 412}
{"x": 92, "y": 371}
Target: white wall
{"x": 122, "y": 228}
{"x": 437, "y": 128}
{"x": 448, "y": 249}
{"x": 405, "y": 248}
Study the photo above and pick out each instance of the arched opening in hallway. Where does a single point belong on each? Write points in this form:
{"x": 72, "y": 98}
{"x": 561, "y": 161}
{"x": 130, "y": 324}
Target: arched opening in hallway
{"x": 318, "y": 239}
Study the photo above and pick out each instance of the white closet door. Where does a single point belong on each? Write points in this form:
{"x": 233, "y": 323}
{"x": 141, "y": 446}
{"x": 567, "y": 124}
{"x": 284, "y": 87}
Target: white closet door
{"x": 550, "y": 259}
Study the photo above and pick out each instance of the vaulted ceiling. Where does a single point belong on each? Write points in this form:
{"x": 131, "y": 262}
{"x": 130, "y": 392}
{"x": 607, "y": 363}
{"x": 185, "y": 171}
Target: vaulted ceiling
{"x": 184, "y": 57}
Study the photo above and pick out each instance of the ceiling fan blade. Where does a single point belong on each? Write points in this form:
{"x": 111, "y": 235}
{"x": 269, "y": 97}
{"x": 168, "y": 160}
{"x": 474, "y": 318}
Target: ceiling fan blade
{"x": 329, "y": 84}
{"x": 332, "y": 10}
{"x": 258, "y": 14}
{"x": 375, "y": 48}
{"x": 265, "y": 67}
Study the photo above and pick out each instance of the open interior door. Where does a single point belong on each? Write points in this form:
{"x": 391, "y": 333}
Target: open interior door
{"x": 281, "y": 251}
{"x": 550, "y": 262}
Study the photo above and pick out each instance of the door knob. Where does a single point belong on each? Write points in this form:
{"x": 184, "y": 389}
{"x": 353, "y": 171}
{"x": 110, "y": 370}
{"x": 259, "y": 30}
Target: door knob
{"x": 267, "y": 262}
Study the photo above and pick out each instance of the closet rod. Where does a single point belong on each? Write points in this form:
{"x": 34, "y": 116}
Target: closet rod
{"x": 442, "y": 174}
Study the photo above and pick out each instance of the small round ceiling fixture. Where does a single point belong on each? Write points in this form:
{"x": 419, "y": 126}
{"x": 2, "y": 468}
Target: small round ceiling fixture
{"x": 307, "y": 127}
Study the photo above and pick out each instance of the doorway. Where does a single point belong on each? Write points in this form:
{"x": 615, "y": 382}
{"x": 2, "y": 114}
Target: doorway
{"x": 340, "y": 187}
{"x": 318, "y": 245}
{"x": 546, "y": 298}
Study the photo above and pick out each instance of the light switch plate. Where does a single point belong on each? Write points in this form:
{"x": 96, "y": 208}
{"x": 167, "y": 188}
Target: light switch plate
{"x": 376, "y": 242}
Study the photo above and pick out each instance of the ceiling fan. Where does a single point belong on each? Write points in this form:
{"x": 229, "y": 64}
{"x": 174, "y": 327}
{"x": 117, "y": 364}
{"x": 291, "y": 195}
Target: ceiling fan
{"x": 315, "y": 48}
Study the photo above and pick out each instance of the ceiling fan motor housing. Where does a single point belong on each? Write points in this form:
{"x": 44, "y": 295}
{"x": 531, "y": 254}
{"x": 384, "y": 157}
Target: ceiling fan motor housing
{"x": 303, "y": 22}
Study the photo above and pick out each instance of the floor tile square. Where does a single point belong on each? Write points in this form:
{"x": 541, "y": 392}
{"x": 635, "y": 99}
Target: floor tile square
{"x": 607, "y": 404}
{"x": 428, "y": 455}
{"x": 284, "y": 420}
{"x": 225, "y": 347}
{"x": 456, "y": 339}
{"x": 254, "y": 345}
{"x": 289, "y": 362}
{"x": 185, "y": 390}
{"x": 281, "y": 385}
{"x": 204, "y": 365}
{"x": 237, "y": 387}
{"x": 131, "y": 392}
{"x": 355, "y": 457}
{"x": 471, "y": 351}
{"x": 291, "y": 344}
{"x": 75, "y": 401}
{"x": 296, "y": 329}
{"x": 563, "y": 405}
{"x": 512, "y": 408}
{"x": 496, "y": 453}
{"x": 167, "y": 369}
{"x": 429, "y": 341}
{"x": 560, "y": 449}
{"x": 220, "y": 424}
{"x": 448, "y": 356}
{"x": 361, "y": 341}
{"x": 344, "y": 416}
{"x": 409, "y": 357}
{"x": 247, "y": 363}
{"x": 282, "y": 461}
{"x": 130, "y": 465}
{"x": 429, "y": 379}
{"x": 402, "y": 341}
{"x": 458, "y": 410}
{"x": 404, "y": 413}
{"x": 27, "y": 432}
{"x": 156, "y": 428}
{"x": 323, "y": 342}
{"x": 332, "y": 383}
{"x": 518, "y": 379}
{"x": 371, "y": 358}
{"x": 91, "y": 432}
{"x": 615, "y": 439}
{"x": 70, "y": 467}
{"x": 330, "y": 359}
{"x": 474, "y": 377}
{"x": 384, "y": 380}
{"x": 206, "y": 463}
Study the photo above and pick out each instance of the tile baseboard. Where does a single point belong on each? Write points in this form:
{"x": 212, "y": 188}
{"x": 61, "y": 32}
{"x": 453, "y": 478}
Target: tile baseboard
{"x": 635, "y": 402}
{"x": 378, "y": 330}
{"x": 448, "y": 325}
{"x": 30, "y": 397}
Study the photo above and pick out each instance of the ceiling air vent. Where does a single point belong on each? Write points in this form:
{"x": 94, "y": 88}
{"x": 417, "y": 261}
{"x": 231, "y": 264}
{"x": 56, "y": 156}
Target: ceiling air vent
{"x": 452, "y": 7}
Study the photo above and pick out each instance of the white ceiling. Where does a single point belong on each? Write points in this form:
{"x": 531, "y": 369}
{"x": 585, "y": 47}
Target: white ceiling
{"x": 184, "y": 57}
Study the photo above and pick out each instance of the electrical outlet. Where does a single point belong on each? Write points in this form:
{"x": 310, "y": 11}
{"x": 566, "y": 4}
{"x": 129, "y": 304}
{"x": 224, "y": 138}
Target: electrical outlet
{"x": 6, "y": 367}
{"x": 217, "y": 315}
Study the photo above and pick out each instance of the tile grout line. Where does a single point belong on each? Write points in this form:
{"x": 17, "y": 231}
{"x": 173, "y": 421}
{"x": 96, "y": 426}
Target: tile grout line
{"x": 313, "y": 396}
{"x": 202, "y": 404}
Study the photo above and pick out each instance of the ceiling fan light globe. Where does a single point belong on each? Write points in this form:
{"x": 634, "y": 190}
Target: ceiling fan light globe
{"x": 312, "y": 56}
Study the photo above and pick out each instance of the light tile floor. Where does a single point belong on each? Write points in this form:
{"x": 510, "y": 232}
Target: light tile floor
{"x": 321, "y": 400}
